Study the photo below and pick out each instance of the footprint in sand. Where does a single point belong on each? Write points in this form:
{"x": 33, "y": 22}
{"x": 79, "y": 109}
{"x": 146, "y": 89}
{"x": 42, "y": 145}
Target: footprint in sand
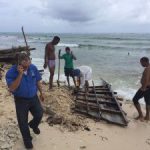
{"x": 148, "y": 141}
{"x": 1, "y": 113}
{"x": 104, "y": 138}
{"x": 82, "y": 147}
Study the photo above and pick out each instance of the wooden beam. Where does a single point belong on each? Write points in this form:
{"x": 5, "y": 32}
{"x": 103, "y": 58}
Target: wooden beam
{"x": 14, "y": 49}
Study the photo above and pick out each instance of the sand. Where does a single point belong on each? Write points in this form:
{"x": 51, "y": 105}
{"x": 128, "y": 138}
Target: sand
{"x": 135, "y": 136}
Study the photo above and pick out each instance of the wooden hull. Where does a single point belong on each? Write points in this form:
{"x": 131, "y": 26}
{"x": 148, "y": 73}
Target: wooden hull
{"x": 100, "y": 103}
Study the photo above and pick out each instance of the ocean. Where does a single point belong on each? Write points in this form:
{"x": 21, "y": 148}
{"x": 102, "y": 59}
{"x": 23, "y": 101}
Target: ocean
{"x": 114, "y": 57}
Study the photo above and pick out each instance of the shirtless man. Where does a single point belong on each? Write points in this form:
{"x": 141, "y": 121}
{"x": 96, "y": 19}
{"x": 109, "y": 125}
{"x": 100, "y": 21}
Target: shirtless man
{"x": 144, "y": 91}
{"x": 49, "y": 59}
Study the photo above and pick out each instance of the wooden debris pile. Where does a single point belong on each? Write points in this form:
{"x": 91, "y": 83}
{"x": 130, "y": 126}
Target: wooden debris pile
{"x": 58, "y": 106}
{"x": 100, "y": 103}
{"x": 9, "y": 55}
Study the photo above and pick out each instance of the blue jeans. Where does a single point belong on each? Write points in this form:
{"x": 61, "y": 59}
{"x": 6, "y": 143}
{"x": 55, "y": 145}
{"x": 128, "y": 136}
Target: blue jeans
{"x": 23, "y": 106}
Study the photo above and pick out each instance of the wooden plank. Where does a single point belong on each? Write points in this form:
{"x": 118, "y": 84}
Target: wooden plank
{"x": 110, "y": 118}
{"x": 113, "y": 118}
{"x": 14, "y": 49}
{"x": 122, "y": 112}
{"x": 99, "y": 92}
{"x": 99, "y": 101}
{"x": 91, "y": 113}
{"x": 94, "y": 106}
{"x": 99, "y": 96}
{"x": 103, "y": 88}
{"x": 86, "y": 99}
{"x": 99, "y": 107}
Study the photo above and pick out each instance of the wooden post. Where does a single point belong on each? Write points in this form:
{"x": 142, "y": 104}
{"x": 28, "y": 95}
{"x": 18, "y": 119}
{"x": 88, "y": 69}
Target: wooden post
{"x": 58, "y": 68}
{"x": 99, "y": 108}
{"x": 27, "y": 47}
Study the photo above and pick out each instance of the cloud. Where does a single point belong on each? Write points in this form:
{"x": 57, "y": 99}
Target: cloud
{"x": 70, "y": 10}
{"x": 98, "y": 10}
{"x": 75, "y": 15}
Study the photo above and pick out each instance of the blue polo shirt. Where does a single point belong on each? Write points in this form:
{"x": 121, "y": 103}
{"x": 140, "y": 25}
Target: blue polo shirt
{"x": 28, "y": 85}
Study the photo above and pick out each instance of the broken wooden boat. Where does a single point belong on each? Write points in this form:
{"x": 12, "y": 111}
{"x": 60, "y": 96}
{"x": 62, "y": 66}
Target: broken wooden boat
{"x": 100, "y": 102}
{"x": 9, "y": 55}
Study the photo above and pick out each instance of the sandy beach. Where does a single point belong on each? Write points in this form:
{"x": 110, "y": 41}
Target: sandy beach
{"x": 100, "y": 135}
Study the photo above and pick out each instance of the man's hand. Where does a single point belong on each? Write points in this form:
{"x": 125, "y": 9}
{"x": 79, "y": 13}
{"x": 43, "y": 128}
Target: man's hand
{"x": 59, "y": 53}
{"x": 142, "y": 89}
{"x": 41, "y": 97}
{"x": 45, "y": 66}
{"x": 15, "y": 84}
{"x": 20, "y": 69}
{"x": 73, "y": 56}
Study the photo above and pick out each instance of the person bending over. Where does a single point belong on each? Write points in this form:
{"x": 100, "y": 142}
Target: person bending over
{"x": 83, "y": 74}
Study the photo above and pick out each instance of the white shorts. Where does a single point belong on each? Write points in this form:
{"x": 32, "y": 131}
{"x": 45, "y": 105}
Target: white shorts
{"x": 51, "y": 63}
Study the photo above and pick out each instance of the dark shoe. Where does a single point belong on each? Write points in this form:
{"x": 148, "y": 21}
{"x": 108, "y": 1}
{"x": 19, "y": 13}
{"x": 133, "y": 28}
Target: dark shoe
{"x": 28, "y": 144}
{"x": 36, "y": 130}
{"x": 31, "y": 138}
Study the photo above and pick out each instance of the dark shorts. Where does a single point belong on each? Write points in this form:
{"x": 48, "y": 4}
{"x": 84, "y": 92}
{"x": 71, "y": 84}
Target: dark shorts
{"x": 140, "y": 94}
{"x": 68, "y": 72}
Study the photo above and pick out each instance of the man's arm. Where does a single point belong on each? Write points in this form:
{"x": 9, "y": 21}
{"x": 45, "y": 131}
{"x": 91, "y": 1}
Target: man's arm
{"x": 145, "y": 79}
{"x": 46, "y": 57}
{"x": 61, "y": 57}
{"x": 78, "y": 82}
{"x": 82, "y": 80}
{"x": 73, "y": 56}
{"x": 40, "y": 90}
{"x": 16, "y": 83}
{"x": 1, "y": 69}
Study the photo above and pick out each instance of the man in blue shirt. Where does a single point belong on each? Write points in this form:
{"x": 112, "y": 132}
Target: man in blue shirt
{"x": 23, "y": 81}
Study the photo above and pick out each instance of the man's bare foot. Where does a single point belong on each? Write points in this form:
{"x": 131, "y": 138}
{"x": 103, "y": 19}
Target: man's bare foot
{"x": 147, "y": 118}
{"x": 69, "y": 87}
{"x": 141, "y": 118}
{"x": 50, "y": 88}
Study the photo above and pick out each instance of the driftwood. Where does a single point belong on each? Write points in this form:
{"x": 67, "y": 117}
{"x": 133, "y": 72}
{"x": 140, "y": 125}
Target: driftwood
{"x": 14, "y": 50}
{"x": 27, "y": 47}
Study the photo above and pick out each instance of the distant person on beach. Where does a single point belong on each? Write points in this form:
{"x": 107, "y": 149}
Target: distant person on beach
{"x": 144, "y": 90}
{"x": 23, "y": 81}
{"x": 68, "y": 69}
{"x": 49, "y": 59}
{"x": 83, "y": 74}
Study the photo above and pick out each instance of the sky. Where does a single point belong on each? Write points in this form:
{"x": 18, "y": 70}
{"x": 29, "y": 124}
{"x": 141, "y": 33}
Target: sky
{"x": 75, "y": 16}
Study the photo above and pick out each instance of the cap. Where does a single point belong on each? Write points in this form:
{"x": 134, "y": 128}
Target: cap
{"x": 76, "y": 72}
